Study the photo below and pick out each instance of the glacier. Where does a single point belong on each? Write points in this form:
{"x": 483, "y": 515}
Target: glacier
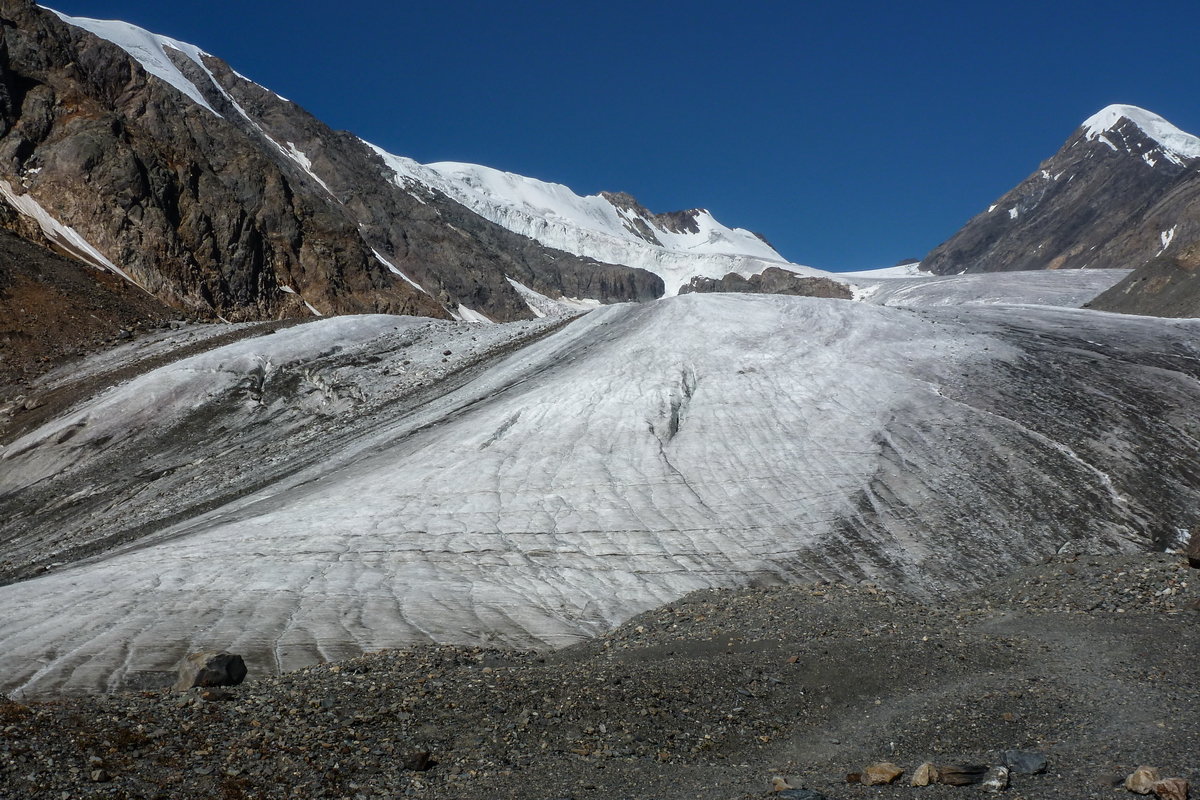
{"x": 358, "y": 483}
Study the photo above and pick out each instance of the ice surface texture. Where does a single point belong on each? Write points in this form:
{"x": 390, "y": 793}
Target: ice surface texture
{"x": 322, "y": 498}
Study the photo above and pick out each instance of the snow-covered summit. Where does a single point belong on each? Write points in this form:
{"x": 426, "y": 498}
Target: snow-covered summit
{"x": 1175, "y": 143}
{"x": 608, "y": 227}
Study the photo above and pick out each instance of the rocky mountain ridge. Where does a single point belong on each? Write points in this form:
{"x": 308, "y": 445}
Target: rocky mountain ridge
{"x": 1123, "y": 192}
{"x": 222, "y": 198}
{"x": 147, "y": 156}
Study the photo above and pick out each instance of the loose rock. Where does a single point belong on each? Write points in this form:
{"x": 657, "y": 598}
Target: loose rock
{"x": 1172, "y": 789}
{"x": 779, "y": 783}
{"x": 1142, "y": 780}
{"x": 880, "y": 774}
{"x": 926, "y": 774}
{"x": 996, "y": 779}
{"x": 1025, "y": 762}
{"x": 801, "y": 794}
{"x": 961, "y": 774}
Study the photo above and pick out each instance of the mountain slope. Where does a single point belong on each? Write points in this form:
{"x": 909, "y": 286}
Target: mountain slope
{"x": 1165, "y": 286}
{"x": 1123, "y": 189}
{"x": 53, "y": 307}
{"x": 218, "y": 196}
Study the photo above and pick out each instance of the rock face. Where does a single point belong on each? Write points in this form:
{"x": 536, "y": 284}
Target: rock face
{"x": 1124, "y": 189}
{"x": 219, "y": 197}
{"x": 772, "y": 280}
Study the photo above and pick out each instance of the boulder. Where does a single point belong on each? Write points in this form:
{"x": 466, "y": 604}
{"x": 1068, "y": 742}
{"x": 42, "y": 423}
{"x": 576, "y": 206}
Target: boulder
{"x": 1192, "y": 551}
{"x": 210, "y": 669}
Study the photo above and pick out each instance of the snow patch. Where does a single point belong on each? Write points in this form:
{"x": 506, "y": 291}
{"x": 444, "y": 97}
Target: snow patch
{"x": 911, "y": 269}
{"x": 63, "y": 235}
{"x": 298, "y": 156}
{"x": 395, "y": 270}
{"x": 543, "y": 306}
{"x": 1166, "y": 237}
{"x": 150, "y": 50}
{"x": 1013, "y": 212}
{"x": 468, "y": 314}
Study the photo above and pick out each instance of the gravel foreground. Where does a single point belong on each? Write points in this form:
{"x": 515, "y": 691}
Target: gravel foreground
{"x": 1090, "y": 660}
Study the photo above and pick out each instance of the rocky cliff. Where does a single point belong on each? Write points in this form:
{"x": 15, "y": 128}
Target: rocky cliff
{"x": 219, "y": 197}
{"x": 772, "y": 280}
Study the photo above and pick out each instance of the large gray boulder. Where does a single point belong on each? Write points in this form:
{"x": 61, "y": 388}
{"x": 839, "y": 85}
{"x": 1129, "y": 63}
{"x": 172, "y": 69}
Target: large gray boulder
{"x": 210, "y": 669}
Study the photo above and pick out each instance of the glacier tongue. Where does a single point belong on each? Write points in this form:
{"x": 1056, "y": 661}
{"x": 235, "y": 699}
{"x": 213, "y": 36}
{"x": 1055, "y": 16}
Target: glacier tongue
{"x": 619, "y": 462}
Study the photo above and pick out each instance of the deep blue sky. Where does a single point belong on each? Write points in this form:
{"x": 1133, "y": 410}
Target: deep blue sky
{"x": 851, "y": 134}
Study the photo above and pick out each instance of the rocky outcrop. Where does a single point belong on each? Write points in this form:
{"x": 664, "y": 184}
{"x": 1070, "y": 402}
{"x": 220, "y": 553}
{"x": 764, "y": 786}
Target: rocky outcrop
{"x": 1124, "y": 189}
{"x": 222, "y": 198}
{"x": 772, "y": 280}
{"x": 1167, "y": 286}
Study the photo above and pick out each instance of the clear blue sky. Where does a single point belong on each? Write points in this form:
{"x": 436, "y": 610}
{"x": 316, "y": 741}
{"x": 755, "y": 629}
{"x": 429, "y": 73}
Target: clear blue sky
{"x": 851, "y": 134}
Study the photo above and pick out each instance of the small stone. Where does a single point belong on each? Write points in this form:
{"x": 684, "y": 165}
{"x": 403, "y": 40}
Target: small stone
{"x": 926, "y": 774}
{"x": 779, "y": 783}
{"x": 210, "y": 669}
{"x": 881, "y": 774}
{"x": 1142, "y": 780}
{"x": 961, "y": 774}
{"x": 1172, "y": 789}
{"x": 99, "y": 776}
{"x": 1025, "y": 762}
{"x": 996, "y": 779}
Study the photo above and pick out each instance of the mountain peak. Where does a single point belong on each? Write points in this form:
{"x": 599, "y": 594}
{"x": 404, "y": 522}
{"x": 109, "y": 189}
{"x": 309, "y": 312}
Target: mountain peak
{"x": 1171, "y": 139}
